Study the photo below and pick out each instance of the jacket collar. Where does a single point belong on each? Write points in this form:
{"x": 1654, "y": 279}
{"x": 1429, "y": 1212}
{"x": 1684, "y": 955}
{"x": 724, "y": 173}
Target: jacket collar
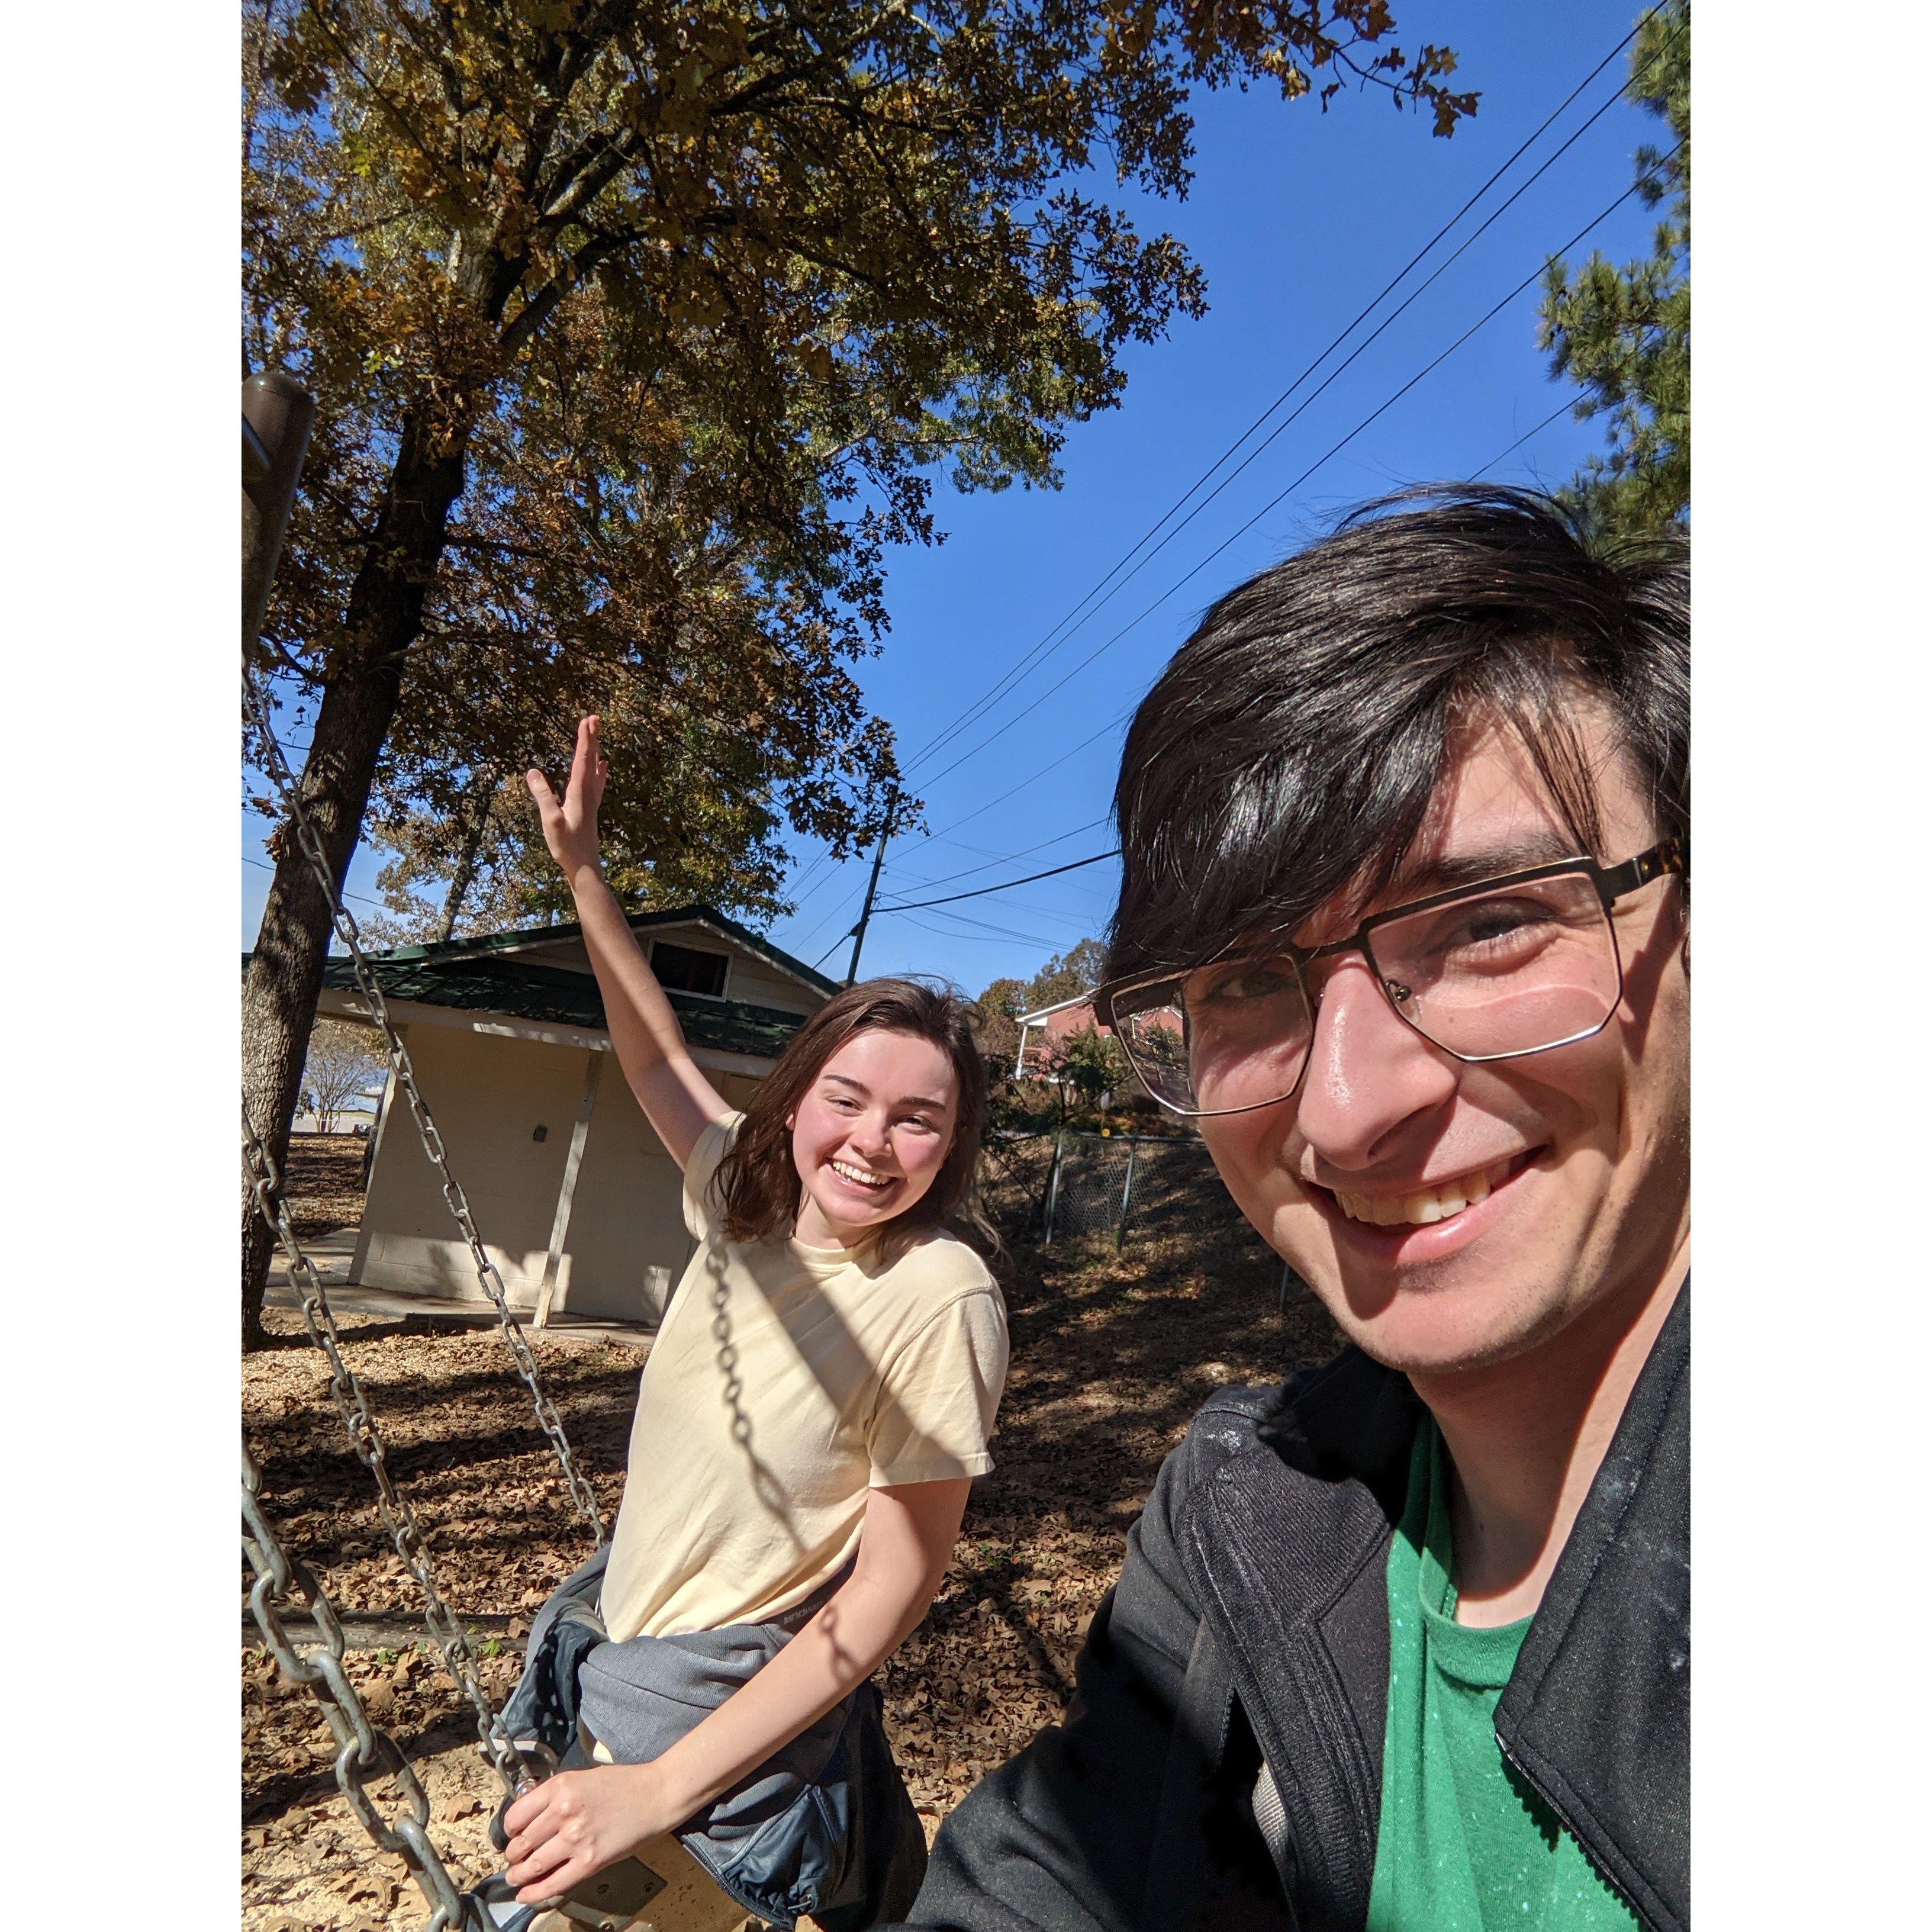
{"x": 1597, "y": 1712}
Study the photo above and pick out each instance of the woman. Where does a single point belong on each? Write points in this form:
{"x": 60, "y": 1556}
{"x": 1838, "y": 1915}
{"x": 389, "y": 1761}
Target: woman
{"x": 810, "y": 1417}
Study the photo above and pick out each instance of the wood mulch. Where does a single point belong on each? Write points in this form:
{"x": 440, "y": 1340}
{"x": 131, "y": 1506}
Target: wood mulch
{"x": 1112, "y": 1353}
{"x": 325, "y": 1182}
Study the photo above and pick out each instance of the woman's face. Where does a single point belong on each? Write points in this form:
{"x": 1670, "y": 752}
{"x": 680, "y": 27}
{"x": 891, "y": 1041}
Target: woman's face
{"x": 871, "y": 1134}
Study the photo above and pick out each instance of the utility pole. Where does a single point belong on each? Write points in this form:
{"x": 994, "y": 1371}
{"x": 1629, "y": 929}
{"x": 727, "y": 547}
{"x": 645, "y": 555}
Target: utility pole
{"x": 871, "y": 885}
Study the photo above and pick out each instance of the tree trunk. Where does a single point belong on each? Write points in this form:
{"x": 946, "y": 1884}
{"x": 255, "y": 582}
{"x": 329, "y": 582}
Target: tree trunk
{"x": 358, "y": 703}
{"x": 482, "y": 796}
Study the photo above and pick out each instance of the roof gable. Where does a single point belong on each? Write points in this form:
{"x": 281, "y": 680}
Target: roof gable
{"x": 726, "y": 927}
{"x": 1058, "y": 1007}
{"x": 549, "y": 995}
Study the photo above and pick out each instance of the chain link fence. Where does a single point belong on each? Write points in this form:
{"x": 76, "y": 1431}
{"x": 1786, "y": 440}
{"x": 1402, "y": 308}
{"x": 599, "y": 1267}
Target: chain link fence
{"x": 1059, "y": 1186}
{"x": 1066, "y": 1184}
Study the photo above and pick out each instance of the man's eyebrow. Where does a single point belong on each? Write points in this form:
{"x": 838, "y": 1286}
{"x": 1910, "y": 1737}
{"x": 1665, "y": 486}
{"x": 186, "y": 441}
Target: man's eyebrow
{"x": 1451, "y": 870}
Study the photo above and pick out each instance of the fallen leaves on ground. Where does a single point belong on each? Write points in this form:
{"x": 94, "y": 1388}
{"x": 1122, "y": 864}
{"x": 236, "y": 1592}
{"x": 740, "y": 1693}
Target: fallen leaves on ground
{"x": 1111, "y": 1353}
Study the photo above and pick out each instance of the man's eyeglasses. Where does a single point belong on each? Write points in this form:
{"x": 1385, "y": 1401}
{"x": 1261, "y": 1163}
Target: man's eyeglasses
{"x": 1515, "y": 965}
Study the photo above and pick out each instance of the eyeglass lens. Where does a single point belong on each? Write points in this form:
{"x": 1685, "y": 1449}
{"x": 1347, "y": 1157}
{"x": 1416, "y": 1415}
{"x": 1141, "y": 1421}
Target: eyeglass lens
{"x": 1499, "y": 971}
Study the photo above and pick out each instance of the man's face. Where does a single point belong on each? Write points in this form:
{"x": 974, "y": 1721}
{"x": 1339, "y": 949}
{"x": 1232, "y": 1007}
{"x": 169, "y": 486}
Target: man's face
{"x": 1587, "y": 1147}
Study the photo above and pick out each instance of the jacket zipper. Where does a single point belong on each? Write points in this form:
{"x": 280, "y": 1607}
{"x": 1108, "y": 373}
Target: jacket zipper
{"x": 1569, "y": 1825}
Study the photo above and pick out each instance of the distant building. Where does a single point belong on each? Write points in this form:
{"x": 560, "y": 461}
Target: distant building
{"x": 577, "y": 1202}
{"x": 1039, "y": 1029}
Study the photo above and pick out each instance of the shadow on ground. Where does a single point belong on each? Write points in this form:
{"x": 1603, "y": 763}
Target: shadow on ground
{"x": 1112, "y": 1353}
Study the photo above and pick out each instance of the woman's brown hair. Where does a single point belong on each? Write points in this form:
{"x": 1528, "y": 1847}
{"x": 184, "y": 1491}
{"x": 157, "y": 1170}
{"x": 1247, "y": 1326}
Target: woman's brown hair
{"x": 758, "y": 1187}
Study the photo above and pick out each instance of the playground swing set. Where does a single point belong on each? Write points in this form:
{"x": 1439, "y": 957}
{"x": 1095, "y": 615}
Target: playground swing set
{"x": 277, "y": 415}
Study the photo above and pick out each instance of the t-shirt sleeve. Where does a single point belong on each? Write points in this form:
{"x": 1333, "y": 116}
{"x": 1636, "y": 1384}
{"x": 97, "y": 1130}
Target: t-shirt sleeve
{"x": 939, "y": 1393}
{"x": 710, "y": 1149}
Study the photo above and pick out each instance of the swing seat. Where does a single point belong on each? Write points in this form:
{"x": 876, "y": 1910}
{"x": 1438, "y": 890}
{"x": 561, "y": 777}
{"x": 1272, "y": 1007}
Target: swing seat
{"x": 662, "y": 1889}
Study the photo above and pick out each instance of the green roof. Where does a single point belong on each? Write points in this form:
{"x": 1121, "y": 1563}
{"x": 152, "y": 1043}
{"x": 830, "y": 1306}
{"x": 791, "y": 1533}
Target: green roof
{"x": 549, "y": 995}
{"x": 475, "y": 976}
{"x": 640, "y": 921}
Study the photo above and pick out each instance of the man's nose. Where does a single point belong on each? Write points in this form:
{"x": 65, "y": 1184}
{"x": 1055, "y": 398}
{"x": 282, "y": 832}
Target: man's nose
{"x": 1368, "y": 1072}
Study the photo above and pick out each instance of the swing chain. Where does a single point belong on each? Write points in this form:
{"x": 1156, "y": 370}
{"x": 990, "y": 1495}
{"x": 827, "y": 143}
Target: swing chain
{"x": 399, "y": 1517}
{"x": 363, "y": 1749}
{"x": 289, "y": 793}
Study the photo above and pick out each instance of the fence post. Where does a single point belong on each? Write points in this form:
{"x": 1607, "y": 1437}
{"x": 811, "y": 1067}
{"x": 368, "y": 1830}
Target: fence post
{"x": 1053, "y": 1188}
{"x": 1126, "y": 1192}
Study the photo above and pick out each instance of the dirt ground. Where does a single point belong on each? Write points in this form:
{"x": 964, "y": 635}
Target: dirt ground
{"x": 1111, "y": 1354}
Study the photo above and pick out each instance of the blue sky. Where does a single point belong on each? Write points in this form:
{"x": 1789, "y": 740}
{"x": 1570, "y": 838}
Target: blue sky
{"x": 1299, "y": 218}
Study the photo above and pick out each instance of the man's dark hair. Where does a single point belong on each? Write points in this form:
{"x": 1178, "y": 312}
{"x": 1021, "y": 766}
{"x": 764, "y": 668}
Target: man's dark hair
{"x": 1290, "y": 751}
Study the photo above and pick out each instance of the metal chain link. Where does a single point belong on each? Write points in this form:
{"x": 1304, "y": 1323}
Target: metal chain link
{"x": 548, "y": 1420}
{"x": 514, "y": 1766}
{"x": 363, "y": 1750}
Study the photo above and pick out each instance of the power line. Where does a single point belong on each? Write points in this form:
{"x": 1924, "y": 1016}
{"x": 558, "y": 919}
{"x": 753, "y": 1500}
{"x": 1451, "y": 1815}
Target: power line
{"x": 991, "y": 935}
{"x": 1119, "y": 718}
{"x": 1005, "y": 885}
{"x": 358, "y": 897}
{"x": 1007, "y": 858}
{"x": 1047, "y": 644}
{"x": 833, "y": 947}
{"x": 1279, "y": 429}
{"x": 1333, "y": 450}
{"x": 1568, "y": 403}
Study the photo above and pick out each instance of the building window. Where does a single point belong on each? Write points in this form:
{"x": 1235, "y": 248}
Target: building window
{"x": 684, "y": 969}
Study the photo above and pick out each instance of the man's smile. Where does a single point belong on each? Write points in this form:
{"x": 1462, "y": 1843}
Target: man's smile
{"x": 1434, "y": 1200}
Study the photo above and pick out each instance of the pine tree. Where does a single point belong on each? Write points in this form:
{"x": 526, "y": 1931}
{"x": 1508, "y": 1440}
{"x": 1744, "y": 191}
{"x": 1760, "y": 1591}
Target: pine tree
{"x": 1624, "y": 334}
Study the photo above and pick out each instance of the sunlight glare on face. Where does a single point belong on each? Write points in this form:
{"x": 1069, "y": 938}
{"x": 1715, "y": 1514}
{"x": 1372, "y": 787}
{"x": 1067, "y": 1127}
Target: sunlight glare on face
{"x": 1448, "y": 1214}
{"x": 871, "y": 1134}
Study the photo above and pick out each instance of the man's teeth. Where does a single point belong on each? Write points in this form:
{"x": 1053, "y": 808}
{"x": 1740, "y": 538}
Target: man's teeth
{"x": 859, "y": 1176}
{"x": 1434, "y": 1204}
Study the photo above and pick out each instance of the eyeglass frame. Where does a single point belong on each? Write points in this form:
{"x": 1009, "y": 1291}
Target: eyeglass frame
{"x": 1612, "y": 884}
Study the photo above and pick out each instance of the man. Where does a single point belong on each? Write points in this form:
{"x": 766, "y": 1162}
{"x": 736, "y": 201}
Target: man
{"x": 1404, "y": 930}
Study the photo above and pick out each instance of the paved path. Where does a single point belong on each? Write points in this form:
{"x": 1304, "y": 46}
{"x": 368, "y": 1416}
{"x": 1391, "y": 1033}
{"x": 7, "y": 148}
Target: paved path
{"x": 333, "y": 1252}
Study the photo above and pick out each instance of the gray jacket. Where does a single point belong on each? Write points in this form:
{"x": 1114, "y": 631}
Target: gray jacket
{"x": 824, "y": 1825}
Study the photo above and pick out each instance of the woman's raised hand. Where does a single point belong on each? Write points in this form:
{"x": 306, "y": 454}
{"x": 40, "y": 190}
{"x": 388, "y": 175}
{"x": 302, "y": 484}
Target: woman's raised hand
{"x": 570, "y": 827}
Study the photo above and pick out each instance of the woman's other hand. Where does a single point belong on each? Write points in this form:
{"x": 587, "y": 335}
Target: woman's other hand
{"x": 571, "y": 1826}
{"x": 570, "y": 826}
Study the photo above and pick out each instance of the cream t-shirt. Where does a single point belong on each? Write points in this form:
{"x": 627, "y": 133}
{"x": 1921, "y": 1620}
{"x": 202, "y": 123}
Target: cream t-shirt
{"x": 784, "y": 1383}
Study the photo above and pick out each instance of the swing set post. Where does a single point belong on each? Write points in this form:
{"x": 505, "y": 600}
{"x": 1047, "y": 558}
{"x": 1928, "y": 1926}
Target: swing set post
{"x": 277, "y": 415}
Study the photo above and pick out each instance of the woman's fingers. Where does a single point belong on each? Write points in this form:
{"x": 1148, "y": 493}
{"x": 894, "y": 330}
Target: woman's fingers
{"x": 528, "y": 1822}
{"x": 551, "y": 1872}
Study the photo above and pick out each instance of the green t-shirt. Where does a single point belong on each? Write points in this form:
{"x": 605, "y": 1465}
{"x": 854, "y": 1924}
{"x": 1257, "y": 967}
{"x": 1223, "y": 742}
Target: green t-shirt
{"x": 1465, "y": 1844}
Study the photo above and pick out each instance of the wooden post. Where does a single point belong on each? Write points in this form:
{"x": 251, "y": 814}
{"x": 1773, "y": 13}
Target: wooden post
{"x": 276, "y": 414}
{"x": 580, "y": 1132}
{"x": 1053, "y": 1188}
{"x": 871, "y": 886}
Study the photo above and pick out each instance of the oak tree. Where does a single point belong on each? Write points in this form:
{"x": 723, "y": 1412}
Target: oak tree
{"x": 638, "y": 331}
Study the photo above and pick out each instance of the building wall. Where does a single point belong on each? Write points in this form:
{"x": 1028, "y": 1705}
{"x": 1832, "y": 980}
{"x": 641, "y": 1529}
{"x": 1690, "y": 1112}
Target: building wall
{"x": 627, "y": 1210}
{"x": 488, "y": 1093}
{"x": 748, "y": 978}
{"x": 1043, "y": 1033}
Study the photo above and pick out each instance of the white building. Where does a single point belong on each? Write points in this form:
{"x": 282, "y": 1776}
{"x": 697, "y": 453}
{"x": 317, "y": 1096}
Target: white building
{"x": 577, "y": 1201}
